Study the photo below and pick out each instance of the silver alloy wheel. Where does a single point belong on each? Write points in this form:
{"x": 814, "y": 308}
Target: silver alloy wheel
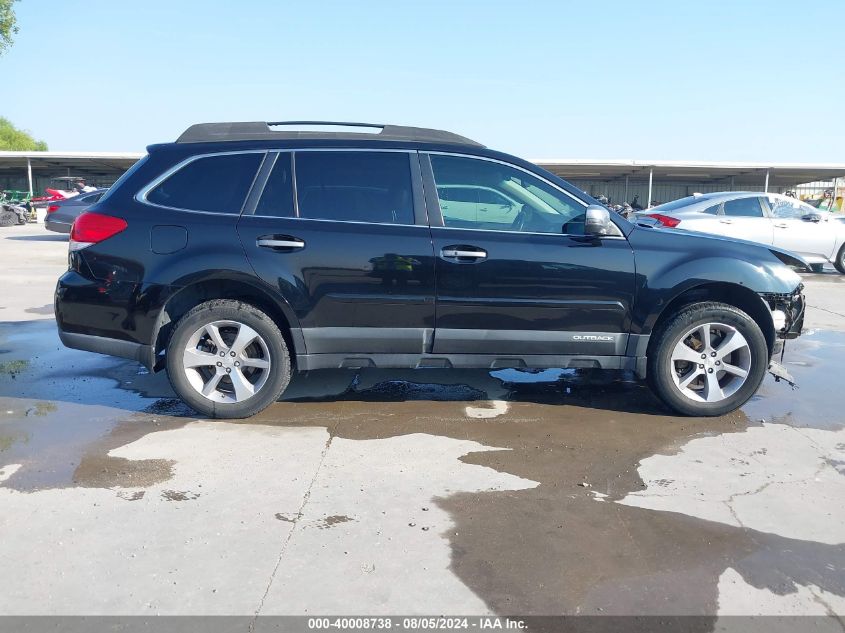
{"x": 226, "y": 361}
{"x": 710, "y": 362}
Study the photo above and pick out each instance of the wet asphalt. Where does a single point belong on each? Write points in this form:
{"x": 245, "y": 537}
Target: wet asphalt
{"x": 426, "y": 491}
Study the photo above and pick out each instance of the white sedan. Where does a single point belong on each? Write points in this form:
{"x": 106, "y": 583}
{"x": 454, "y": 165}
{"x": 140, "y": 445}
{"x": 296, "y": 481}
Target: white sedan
{"x": 768, "y": 218}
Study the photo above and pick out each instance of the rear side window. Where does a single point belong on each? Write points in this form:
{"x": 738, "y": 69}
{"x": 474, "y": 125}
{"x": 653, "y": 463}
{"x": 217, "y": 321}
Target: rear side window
{"x": 355, "y": 186}
{"x": 216, "y": 184}
{"x": 277, "y": 198}
{"x": 714, "y": 210}
{"x": 743, "y": 207}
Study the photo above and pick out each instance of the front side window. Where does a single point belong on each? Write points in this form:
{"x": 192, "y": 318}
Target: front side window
{"x": 481, "y": 194}
{"x": 355, "y": 186}
{"x": 215, "y": 184}
{"x": 743, "y": 207}
{"x": 785, "y": 208}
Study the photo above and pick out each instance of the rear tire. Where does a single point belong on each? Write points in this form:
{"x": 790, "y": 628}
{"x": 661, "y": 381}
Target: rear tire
{"x": 840, "y": 260}
{"x": 707, "y": 360}
{"x": 227, "y": 359}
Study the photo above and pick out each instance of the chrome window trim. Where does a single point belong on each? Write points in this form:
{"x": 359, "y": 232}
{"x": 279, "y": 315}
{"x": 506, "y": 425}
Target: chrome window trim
{"x": 530, "y": 173}
{"x": 512, "y": 166}
{"x": 141, "y": 196}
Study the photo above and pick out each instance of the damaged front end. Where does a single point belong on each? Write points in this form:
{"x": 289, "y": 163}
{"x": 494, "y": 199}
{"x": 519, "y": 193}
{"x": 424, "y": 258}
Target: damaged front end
{"x": 788, "y": 318}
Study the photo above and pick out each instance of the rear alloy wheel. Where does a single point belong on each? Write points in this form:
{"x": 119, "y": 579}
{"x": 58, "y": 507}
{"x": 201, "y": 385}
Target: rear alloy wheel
{"x": 840, "y": 260}
{"x": 708, "y": 360}
{"x": 227, "y": 359}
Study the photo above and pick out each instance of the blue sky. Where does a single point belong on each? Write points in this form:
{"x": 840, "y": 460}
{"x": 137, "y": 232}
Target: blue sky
{"x": 741, "y": 80}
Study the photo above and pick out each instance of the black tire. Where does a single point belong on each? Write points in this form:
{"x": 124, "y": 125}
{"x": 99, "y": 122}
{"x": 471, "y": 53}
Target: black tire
{"x": 840, "y": 260}
{"x": 8, "y": 218}
{"x": 279, "y": 371}
{"x": 669, "y": 334}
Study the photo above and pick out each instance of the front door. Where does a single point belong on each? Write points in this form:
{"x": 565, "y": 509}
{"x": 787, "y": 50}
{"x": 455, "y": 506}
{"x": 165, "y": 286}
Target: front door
{"x": 800, "y": 228}
{"x": 348, "y": 251}
{"x": 526, "y": 282}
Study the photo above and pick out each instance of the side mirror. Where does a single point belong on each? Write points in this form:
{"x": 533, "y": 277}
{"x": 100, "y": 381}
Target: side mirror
{"x": 812, "y": 217}
{"x": 597, "y": 220}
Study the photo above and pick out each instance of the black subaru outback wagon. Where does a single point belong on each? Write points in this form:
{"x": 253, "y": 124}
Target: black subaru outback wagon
{"x": 245, "y": 251}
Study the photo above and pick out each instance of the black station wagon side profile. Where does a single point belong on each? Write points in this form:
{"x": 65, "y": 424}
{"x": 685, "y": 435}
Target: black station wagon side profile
{"x": 245, "y": 251}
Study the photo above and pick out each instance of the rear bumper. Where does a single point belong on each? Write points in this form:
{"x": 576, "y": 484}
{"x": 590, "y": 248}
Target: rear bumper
{"x": 56, "y": 225}
{"x": 108, "y": 346}
{"x": 103, "y": 317}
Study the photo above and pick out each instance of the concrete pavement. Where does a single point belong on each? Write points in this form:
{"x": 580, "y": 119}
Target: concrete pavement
{"x": 429, "y": 491}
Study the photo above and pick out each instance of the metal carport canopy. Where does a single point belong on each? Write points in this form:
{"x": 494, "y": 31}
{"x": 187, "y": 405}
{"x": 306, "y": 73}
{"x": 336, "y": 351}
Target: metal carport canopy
{"x": 733, "y": 174}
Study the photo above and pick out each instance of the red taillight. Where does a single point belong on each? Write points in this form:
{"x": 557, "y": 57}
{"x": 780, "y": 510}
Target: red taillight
{"x": 52, "y": 208}
{"x": 91, "y": 228}
{"x": 665, "y": 220}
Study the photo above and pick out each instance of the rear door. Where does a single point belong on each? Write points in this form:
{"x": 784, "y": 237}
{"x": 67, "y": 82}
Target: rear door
{"x": 528, "y": 281}
{"x": 745, "y": 219}
{"x": 342, "y": 234}
{"x": 803, "y": 236}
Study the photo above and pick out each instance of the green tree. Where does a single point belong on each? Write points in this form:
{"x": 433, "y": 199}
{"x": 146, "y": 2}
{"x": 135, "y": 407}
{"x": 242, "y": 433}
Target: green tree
{"x": 15, "y": 140}
{"x": 8, "y": 24}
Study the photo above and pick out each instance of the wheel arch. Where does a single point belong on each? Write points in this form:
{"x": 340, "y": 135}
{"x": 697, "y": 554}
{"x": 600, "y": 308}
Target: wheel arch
{"x": 724, "y": 292}
{"x": 199, "y": 291}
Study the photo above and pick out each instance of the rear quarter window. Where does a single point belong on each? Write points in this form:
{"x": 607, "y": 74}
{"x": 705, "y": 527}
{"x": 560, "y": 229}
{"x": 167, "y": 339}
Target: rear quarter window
{"x": 214, "y": 184}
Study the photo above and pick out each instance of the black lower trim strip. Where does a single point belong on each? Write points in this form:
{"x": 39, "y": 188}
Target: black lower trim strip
{"x": 108, "y": 346}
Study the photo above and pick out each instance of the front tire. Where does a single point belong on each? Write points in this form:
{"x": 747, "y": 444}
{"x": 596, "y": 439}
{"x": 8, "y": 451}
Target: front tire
{"x": 707, "y": 360}
{"x": 227, "y": 359}
{"x": 840, "y": 260}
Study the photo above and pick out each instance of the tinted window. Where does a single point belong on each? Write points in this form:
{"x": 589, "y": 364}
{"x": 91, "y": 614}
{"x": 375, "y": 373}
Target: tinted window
{"x": 743, "y": 207}
{"x": 714, "y": 210}
{"x": 277, "y": 198}
{"x": 355, "y": 186}
{"x": 218, "y": 184}
{"x": 458, "y": 194}
{"x": 538, "y": 207}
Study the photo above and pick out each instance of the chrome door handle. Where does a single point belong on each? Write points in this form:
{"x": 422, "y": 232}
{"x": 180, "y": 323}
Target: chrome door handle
{"x": 726, "y": 221}
{"x": 781, "y": 226}
{"x": 271, "y": 242}
{"x": 464, "y": 252}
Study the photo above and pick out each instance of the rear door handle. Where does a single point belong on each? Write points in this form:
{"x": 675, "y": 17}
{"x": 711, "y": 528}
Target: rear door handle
{"x": 463, "y": 252}
{"x": 781, "y": 226}
{"x": 726, "y": 221}
{"x": 279, "y": 241}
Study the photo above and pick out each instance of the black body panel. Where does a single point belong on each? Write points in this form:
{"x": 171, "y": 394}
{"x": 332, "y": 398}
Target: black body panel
{"x": 381, "y": 294}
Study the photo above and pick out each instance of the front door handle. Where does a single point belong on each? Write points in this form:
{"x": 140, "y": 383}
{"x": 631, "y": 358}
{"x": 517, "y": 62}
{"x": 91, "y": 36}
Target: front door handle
{"x": 279, "y": 241}
{"x": 463, "y": 252}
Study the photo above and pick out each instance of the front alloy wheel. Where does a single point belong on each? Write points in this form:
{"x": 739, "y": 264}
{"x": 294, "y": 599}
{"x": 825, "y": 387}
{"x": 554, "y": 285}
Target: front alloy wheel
{"x": 707, "y": 360}
{"x": 711, "y": 362}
